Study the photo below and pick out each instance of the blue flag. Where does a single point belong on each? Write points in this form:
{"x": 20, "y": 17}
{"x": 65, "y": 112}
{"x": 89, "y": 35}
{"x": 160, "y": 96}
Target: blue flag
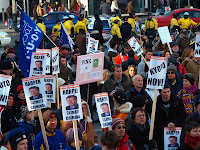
{"x": 30, "y": 38}
{"x": 63, "y": 39}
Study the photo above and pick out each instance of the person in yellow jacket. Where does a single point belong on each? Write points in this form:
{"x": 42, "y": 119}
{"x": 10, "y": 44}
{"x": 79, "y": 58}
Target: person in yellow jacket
{"x": 186, "y": 22}
{"x": 80, "y": 25}
{"x": 151, "y": 26}
{"x": 41, "y": 25}
{"x": 132, "y": 22}
{"x": 56, "y": 29}
{"x": 85, "y": 21}
{"x": 116, "y": 18}
{"x": 69, "y": 26}
{"x": 174, "y": 23}
{"x": 115, "y": 30}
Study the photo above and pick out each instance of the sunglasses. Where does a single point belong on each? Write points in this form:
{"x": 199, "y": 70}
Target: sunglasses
{"x": 170, "y": 72}
{"x": 119, "y": 127}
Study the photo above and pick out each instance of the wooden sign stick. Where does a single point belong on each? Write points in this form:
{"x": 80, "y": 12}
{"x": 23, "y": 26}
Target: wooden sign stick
{"x": 57, "y": 92}
{"x": 144, "y": 60}
{"x": 169, "y": 48}
{"x": 88, "y": 92}
{"x": 76, "y": 135}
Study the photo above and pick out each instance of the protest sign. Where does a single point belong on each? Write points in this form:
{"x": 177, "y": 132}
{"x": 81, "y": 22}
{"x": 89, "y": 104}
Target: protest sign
{"x": 55, "y": 61}
{"x": 89, "y": 68}
{"x": 50, "y": 88}
{"x": 92, "y": 46}
{"x": 71, "y": 102}
{"x": 38, "y": 64}
{"x": 103, "y": 109}
{"x": 48, "y": 58}
{"x": 197, "y": 45}
{"x": 87, "y": 39}
{"x": 157, "y": 72}
{"x": 172, "y": 138}
{"x": 135, "y": 46}
{"x": 5, "y": 83}
{"x": 33, "y": 88}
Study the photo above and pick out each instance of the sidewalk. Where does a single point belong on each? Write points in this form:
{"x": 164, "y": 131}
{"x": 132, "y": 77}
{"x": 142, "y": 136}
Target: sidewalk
{"x": 11, "y": 32}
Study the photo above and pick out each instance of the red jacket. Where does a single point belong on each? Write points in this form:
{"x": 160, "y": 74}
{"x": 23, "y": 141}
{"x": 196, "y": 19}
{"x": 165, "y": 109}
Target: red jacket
{"x": 125, "y": 144}
{"x": 182, "y": 69}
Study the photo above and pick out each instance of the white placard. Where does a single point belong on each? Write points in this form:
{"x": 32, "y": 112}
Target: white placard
{"x": 172, "y": 138}
{"x": 38, "y": 64}
{"x": 34, "y": 92}
{"x": 50, "y": 88}
{"x": 86, "y": 64}
{"x": 87, "y": 39}
{"x": 197, "y": 46}
{"x": 5, "y": 83}
{"x": 55, "y": 61}
{"x": 135, "y": 46}
{"x": 103, "y": 109}
{"x": 71, "y": 102}
{"x": 48, "y": 58}
{"x": 92, "y": 46}
{"x": 164, "y": 34}
{"x": 157, "y": 72}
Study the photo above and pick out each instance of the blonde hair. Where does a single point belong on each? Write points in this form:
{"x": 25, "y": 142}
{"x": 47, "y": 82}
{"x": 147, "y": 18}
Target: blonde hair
{"x": 186, "y": 52}
{"x": 105, "y": 76}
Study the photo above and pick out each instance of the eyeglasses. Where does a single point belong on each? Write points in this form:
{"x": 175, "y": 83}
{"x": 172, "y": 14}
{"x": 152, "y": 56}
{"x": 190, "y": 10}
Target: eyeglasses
{"x": 170, "y": 72}
{"x": 119, "y": 127}
{"x": 139, "y": 116}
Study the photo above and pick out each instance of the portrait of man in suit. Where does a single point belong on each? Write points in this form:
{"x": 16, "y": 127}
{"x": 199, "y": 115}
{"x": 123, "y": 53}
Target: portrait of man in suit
{"x": 48, "y": 88}
{"x": 173, "y": 141}
{"x": 92, "y": 46}
{"x": 38, "y": 66}
{"x": 106, "y": 111}
{"x": 72, "y": 102}
{"x": 35, "y": 92}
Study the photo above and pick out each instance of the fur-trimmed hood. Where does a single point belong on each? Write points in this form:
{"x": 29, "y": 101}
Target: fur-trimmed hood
{"x": 125, "y": 79}
{"x": 88, "y": 114}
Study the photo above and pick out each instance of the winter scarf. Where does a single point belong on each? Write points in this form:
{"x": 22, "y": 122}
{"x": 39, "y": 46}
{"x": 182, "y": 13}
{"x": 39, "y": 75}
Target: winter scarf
{"x": 192, "y": 89}
{"x": 192, "y": 141}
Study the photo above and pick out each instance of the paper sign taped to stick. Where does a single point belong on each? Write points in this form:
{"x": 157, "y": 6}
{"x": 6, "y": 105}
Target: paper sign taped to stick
{"x": 103, "y": 109}
{"x": 50, "y": 88}
{"x": 5, "y": 83}
{"x": 48, "y": 58}
{"x": 135, "y": 46}
{"x": 92, "y": 46}
{"x": 34, "y": 92}
{"x": 197, "y": 46}
{"x": 172, "y": 138}
{"x": 71, "y": 102}
{"x": 55, "y": 61}
{"x": 157, "y": 72}
{"x": 89, "y": 68}
{"x": 164, "y": 34}
{"x": 38, "y": 64}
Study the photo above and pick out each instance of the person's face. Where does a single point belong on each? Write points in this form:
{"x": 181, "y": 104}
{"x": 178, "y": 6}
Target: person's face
{"x": 165, "y": 93}
{"x": 51, "y": 124}
{"x": 132, "y": 71}
{"x": 163, "y": 46}
{"x": 191, "y": 54}
{"x": 171, "y": 75}
{"x": 183, "y": 35}
{"x": 175, "y": 48}
{"x": 172, "y": 141}
{"x": 41, "y": 4}
{"x": 167, "y": 54}
{"x": 84, "y": 109}
{"x": 92, "y": 45}
{"x": 195, "y": 132}
{"x": 64, "y": 61}
{"x": 120, "y": 130}
{"x": 38, "y": 64}
{"x": 172, "y": 36}
{"x": 58, "y": 22}
{"x": 10, "y": 101}
{"x": 138, "y": 81}
{"x": 75, "y": 56}
{"x": 140, "y": 118}
{"x": 22, "y": 145}
{"x": 73, "y": 143}
{"x": 28, "y": 116}
{"x": 105, "y": 108}
{"x": 54, "y": 37}
{"x": 21, "y": 94}
{"x": 48, "y": 88}
{"x": 10, "y": 55}
{"x": 65, "y": 51}
{"x": 71, "y": 101}
{"x": 186, "y": 16}
{"x": 127, "y": 49}
{"x": 186, "y": 83}
{"x": 118, "y": 73}
{"x": 34, "y": 92}
{"x": 149, "y": 17}
{"x": 148, "y": 55}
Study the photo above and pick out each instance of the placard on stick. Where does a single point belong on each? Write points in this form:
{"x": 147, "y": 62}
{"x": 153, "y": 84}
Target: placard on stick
{"x": 92, "y": 45}
{"x": 197, "y": 45}
{"x": 164, "y": 34}
{"x": 135, "y": 46}
{"x": 55, "y": 61}
{"x": 50, "y": 88}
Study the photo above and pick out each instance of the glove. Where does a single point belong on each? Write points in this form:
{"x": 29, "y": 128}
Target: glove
{"x": 84, "y": 136}
{"x": 33, "y": 122}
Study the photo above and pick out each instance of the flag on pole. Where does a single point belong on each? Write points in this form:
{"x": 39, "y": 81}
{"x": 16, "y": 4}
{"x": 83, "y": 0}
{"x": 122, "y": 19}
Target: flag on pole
{"x": 30, "y": 38}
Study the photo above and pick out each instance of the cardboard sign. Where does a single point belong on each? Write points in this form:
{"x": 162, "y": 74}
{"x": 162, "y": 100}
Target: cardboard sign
{"x": 172, "y": 138}
{"x": 135, "y": 46}
{"x": 55, "y": 61}
{"x": 157, "y": 72}
{"x": 38, "y": 64}
{"x": 48, "y": 58}
{"x": 5, "y": 83}
{"x": 34, "y": 92}
{"x": 50, "y": 88}
{"x": 164, "y": 34}
{"x": 197, "y": 46}
{"x": 103, "y": 109}
{"x": 89, "y": 68}
{"x": 92, "y": 46}
{"x": 71, "y": 102}
{"x": 87, "y": 39}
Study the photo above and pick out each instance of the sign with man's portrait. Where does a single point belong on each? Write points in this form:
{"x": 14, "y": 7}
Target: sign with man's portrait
{"x": 50, "y": 88}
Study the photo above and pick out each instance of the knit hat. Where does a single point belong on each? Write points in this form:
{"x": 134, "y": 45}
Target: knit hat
{"x": 24, "y": 111}
{"x": 19, "y": 88}
{"x": 120, "y": 96}
{"x": 175, "y": 55}
{"x": 6, "y": 65}
{"x": 172, "y": 44}
{"x": 138, "y": 101}
{"x": 172, "y": 68}
{"x": 70, "y": 135}
{"x": 65, "y": 46}
{"x": 189, "y": 77}
{"x": 48, "y": 114}
{"x": 116, "y": 121}
{"x": 10, "y": 50}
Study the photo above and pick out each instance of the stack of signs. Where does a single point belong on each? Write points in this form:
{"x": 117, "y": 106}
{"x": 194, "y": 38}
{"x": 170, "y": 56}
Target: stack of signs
{"x": 135, "y": 46}
{"x": 164, "y": 34}
{"x": 55, "y": 61}
{"x": 50, "y": 88}
{"x": 92, "y": 45}
{"x": 172, "y": 138}
{"x": 103, "y": 109}
{"x": 157, "y": 72}
{"x": 48, "y": 58}
{"x": 5, "y": 82}
{"x": 71, "y": 102}
{"x": 34, "y": 92}
{"x": 87, "y": 38}
{"x": 89, "y": 68}
{"x": 38, "y": 64}
{"x": 197, "y": 46}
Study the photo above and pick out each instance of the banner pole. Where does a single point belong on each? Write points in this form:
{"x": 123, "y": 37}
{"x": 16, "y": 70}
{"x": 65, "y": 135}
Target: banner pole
{"x": 144, "y": 60}
{"x": 50, "y": 40}
{"x": 169, "y": 48}
{"x": 57, "y": 91}
{"x": 76, "y": 135}
{"x": 32, "y": 115}
{"x": 153, "y": 115}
